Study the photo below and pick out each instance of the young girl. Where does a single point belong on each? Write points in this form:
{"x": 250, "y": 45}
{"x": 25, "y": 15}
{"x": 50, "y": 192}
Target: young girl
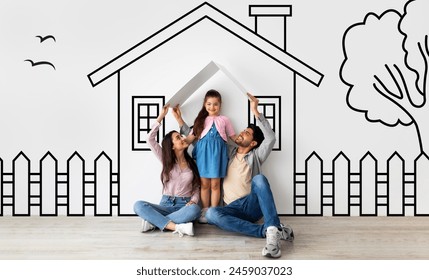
{"x": 210, "y": 152}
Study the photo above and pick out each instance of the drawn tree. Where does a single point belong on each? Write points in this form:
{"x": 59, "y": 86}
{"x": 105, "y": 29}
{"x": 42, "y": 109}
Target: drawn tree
{"x": 386, "y": 67}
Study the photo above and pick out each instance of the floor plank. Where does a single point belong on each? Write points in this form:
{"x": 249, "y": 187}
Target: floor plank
{"x": 118, "y": 238}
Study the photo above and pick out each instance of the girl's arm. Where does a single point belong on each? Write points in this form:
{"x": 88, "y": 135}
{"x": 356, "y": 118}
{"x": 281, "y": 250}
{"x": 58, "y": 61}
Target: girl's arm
{"x": 233, "y": 137}
{"x": 229, "y": 129}
{"x": 190, "y": 138}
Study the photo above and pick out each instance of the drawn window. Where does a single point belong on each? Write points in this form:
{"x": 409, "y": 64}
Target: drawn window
{"x": 145, "y": 110}
{"x": 270, "y": 107}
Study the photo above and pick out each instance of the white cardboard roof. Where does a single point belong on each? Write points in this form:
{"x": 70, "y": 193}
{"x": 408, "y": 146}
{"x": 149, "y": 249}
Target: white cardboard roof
{"x": 201, "y": 78}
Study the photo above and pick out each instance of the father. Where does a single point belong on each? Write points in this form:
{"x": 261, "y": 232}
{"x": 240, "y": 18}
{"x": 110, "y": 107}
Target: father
{"x": 247, "y": 193}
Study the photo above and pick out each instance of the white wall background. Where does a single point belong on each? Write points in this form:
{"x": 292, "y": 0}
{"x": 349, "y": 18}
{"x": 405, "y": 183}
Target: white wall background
{"x": 42, "y": 109}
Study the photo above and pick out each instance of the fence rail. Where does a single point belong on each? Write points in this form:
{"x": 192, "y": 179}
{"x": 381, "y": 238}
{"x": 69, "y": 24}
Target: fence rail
{"x": 366, "y": 192}
{"x": 75, "y": 192}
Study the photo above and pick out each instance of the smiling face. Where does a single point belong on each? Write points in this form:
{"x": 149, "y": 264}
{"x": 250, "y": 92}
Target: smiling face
{"x": 178, "y": 141}
{"x": 212, "y": 106}
{"x": 245, "y": 138}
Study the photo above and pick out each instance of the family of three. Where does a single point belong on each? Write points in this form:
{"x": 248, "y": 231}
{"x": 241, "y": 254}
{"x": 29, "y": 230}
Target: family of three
{"x": 192, "y": 188}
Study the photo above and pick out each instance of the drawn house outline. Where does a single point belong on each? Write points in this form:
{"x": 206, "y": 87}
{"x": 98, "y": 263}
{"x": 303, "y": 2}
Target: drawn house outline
{"x": 202, "y": 13}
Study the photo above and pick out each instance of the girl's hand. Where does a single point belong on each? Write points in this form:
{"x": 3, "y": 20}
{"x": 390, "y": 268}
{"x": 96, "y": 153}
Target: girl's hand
{"x": 190, "y": 139}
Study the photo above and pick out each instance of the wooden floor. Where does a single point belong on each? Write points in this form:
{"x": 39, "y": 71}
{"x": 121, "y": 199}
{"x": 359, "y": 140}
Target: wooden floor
{"x": 118, "y": 238}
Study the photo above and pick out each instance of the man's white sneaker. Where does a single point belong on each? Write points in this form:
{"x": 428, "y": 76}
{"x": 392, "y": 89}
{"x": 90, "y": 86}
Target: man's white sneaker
{"x": 146, "y": 226}
{"x": 183, "y": 229}
{"x": 286, "y": 233}
{"x": 272, "y": 248}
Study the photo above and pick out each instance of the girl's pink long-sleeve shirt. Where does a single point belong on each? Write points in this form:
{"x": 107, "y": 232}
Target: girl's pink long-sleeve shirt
{"x": 223, "y": 126}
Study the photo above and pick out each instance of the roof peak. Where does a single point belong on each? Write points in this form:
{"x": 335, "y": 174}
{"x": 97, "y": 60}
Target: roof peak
{"x": 189, "y": 20}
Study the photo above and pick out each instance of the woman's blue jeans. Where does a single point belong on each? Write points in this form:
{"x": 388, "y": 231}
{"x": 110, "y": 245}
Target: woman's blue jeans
{"x": 241, "y": 214}
{"x": 170, "y": 209}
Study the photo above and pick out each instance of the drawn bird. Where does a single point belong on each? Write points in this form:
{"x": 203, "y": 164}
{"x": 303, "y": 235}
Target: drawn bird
{"x": 43, "y": 38}
{"x": 40, "y": 63}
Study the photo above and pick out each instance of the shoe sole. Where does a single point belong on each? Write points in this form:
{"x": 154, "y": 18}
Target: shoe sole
{"x": 291, "y": 237}
{"x": 269, "y": 255}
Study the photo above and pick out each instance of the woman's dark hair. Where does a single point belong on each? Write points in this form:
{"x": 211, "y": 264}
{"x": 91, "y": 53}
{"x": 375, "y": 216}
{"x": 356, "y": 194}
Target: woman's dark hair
{"x": 202, "y": 115}
{"x": 169, "y": 160}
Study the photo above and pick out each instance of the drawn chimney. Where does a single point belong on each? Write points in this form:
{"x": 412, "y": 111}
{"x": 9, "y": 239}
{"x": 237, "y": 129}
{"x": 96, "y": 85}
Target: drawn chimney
{"x": 270, "y": 22}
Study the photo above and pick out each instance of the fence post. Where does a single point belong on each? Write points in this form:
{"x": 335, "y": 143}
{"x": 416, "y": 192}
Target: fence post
{"x": 48, "y": 185}
{"x": 21, "y": 185}
{"x": 75, "y": 185}
{"x": 314, "y": 166}
{"x": 368, "y": 187}
{"x": 341, "y": 185}
{"x": 103, "y": 185}
{"x": 395, "y": 185}
{"x": 421, "y": 191}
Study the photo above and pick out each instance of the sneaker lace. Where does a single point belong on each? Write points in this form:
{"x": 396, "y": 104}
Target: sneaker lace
{"x": 273, "y": 239}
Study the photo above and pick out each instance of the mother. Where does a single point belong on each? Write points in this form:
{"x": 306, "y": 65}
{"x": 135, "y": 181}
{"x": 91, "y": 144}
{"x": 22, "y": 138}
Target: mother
{"x": 181, "y": 185}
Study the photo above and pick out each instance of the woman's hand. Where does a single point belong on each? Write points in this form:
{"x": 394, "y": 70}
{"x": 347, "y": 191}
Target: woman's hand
{"x": 178, "y": 115}
{"x": 164, "y": 112}
{"x": 190, "y": 203}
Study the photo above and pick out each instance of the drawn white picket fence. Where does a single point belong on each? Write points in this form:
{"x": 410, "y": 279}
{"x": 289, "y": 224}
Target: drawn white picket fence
{"x": 338, "y": 192}
{"x": 76, "y": 192}
{"x": 367, "y": 192}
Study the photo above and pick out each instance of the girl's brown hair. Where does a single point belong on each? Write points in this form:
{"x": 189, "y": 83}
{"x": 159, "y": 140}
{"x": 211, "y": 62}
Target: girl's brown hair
{"x": 202, "y": 115}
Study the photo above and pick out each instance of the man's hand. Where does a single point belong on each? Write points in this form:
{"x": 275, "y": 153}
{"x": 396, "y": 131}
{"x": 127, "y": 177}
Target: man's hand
{"x": 254, "y": 105}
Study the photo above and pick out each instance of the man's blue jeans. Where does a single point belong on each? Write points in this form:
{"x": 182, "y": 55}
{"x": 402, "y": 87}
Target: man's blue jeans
{"x": 170, "y": 209}
{"x": 241, "y": 214}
